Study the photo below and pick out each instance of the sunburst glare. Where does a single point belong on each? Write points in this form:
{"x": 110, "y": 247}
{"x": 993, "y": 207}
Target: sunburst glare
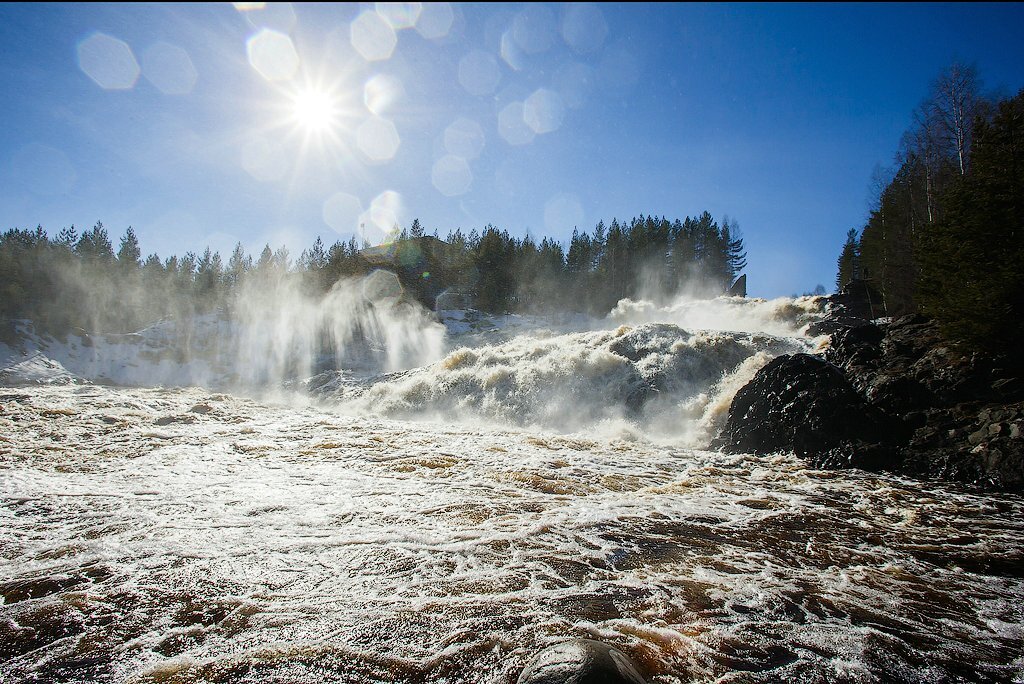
{"x": 315, "y": 111}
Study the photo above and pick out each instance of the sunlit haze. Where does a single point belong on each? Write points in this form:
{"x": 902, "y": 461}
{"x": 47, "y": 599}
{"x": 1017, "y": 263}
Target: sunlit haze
{"x": 207, "y": 125}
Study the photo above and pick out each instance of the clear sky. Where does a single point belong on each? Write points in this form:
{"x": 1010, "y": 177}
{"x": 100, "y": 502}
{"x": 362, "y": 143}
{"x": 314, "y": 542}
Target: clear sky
{"x": 212, "y": 124}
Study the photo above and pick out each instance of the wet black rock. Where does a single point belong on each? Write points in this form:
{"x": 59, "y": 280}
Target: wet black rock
{"x": 803, "y": 403}
{"x": 890, "y": 395}
{"x": 582, "y": 661}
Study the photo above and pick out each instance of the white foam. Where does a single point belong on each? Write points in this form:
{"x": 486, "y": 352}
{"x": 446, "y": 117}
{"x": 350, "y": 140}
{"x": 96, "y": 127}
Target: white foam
{"x": 308, "y": 538}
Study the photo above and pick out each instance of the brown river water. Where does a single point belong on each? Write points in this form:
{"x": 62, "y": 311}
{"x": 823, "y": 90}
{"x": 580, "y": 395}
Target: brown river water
{"x": 153, "y": 535}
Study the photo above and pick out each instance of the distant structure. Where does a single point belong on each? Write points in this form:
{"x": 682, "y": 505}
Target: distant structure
{"x": 404, "y": 252}
{"x": 738, "y": 288}
{"x": 419, "y": 262}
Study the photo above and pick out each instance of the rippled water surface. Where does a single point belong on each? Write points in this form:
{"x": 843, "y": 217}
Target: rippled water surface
{"x": 183, "y": 536}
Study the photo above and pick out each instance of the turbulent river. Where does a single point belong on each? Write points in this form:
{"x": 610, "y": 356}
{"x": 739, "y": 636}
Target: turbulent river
{"x": 187, "y": 535}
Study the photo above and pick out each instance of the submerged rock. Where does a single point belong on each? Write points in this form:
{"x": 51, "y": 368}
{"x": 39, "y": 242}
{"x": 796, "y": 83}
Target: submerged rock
{"x": 582, "y": 661}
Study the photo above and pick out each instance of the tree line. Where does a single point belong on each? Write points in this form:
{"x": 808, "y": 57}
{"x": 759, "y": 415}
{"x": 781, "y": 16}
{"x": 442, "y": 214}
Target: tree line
{"x": 946, "y": 236}
{"x": 78, "y": 280}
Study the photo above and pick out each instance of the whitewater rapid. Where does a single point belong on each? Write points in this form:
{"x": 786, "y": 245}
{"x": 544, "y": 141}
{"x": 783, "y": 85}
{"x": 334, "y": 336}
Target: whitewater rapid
{"x": 440, "y": 512}
{"x": 179, "y": 535}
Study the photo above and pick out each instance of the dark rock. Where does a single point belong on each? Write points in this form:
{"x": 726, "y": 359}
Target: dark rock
{"x": 995, "y": 445}
{"x": 168, "y": 420}
{"x": 582, "y": 661}
{"x": 859, "y": 299}
{"x": 1009, "y": 388}
{"x": 833, "y": 323}
{"x": 804, "y": 404}
{"x": 857, "y": 304}
{"x": 924, "y": 406}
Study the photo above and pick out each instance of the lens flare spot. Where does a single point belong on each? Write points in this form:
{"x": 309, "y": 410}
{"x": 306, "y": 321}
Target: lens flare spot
{"x": 511, "y": 53}
{"x": 273, "y": 55}
{"x": 381, "y": 92}
{"x": 436, "y": 20}
{"x": 543, "y": 111}
{"x": 109, "y": 62}
{"x": 451, "y": 176}
{"x": 400, "y": 15}
{"x": 382, "y": 286}
{"x": 380, "y": 222}
{"x": 513, "y": 127}
{"x": 372, "y": 36}
{"x": 378, "y": 139}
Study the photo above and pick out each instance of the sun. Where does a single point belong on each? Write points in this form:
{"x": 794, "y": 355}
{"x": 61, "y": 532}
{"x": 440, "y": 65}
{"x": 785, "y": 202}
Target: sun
{"x": 314, "y": 110}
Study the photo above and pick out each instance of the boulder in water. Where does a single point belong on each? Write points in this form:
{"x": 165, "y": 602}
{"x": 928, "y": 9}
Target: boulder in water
{"x": 802, "y": 403}
{"x": 582, "y": 661}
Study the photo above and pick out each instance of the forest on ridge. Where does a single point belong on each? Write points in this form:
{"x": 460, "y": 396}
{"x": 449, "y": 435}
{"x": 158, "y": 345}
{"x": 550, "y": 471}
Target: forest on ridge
{"x": 78, "y": 280}
{"x": 946, "y": 235}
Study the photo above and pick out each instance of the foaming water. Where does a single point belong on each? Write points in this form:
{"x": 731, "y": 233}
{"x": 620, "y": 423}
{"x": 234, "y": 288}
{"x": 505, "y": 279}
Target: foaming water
{"x": 784, "y": 316}
{"x": 664, "y": 380}
{"x": 183, "y": 536}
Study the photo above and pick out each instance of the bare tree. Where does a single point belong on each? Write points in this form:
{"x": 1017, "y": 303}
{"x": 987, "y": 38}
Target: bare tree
{"x": 924, "y": 142}
{"x": 955, "y": 101}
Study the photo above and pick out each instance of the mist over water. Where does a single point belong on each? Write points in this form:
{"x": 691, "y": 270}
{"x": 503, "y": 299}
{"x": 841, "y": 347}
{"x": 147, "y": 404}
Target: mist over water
{"x": 664, "y": 369}
{"x": 784, "y": 317}
{"x": 273, "y": 332}
{"x": 359, "y": 324}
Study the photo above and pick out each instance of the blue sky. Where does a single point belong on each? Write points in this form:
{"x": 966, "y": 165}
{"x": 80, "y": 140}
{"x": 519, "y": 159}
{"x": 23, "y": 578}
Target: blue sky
{"x": 207, "y": 124}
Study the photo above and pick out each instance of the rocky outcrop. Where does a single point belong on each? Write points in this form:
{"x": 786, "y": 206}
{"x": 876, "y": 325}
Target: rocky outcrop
{"x": 803, "y": 403}
{"x": 855, "y": 305}
{"x": 888, "y": 395}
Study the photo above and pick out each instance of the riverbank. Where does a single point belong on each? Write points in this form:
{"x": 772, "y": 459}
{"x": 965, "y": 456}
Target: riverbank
{"x": 889, "y": 396}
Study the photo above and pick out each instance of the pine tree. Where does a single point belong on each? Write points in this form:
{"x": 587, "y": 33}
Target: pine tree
{"x": 129, "y": 254}
{"x": 67, "y": 237}
{"x": 238, "y": 264}
{"x": 847, "y": 265}
{"x": 94, "y": 246}
{"x": 735, "y": 254}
